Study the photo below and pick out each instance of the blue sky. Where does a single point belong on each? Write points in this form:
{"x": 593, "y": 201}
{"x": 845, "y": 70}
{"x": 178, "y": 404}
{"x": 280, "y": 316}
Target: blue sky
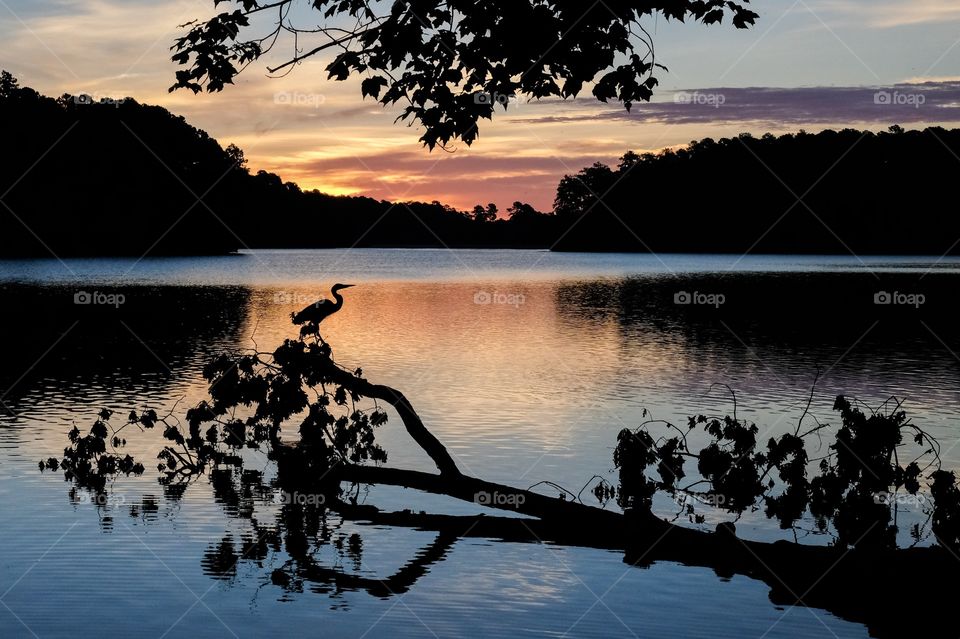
{"x": 827, "y": 59}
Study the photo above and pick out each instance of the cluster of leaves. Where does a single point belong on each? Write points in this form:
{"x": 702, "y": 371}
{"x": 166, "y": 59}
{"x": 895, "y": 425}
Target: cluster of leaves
{"x": 452, "y": 62}
{"x": 945, "y": 519}
{"x": 215, "y": 50}
{"x": 89, "y": 463}
{"x": 728, "y": 464}
{"x": 301, "y": 529}
{"x": 251, "y": 398}
{"x": 851, "y": 486}
{"x": 298, "y": 378}
{"x": 853, "y": 493}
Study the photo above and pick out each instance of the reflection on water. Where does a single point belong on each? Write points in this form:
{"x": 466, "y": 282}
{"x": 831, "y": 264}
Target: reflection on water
{"x": 525, "y": 364}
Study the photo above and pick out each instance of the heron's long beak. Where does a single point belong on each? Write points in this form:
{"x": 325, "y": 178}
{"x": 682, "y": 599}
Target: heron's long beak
{"x": 347, "y": 285}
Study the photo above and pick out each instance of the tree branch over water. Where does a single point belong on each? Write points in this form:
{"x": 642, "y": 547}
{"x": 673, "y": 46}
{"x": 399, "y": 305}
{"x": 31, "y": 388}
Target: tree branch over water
{"x": 314, "y": 419}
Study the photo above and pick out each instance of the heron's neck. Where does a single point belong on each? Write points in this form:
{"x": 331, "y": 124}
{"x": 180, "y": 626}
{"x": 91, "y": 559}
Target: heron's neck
{"x": 338, "y": 298}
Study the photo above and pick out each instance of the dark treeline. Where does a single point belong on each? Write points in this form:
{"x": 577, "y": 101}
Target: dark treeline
{"x": 85, "y": 176}
{"x": 111, "y": 177}
{"x": 834, "y": 192}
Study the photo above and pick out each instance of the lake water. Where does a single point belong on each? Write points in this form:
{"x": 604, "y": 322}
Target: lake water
{"x": 526, "y": 364}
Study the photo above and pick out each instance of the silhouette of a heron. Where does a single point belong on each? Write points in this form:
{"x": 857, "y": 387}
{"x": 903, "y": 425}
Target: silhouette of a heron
{"x": 320, "y": 310}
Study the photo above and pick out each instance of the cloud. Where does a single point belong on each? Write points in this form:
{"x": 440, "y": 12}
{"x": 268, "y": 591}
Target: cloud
{"x": 779, "y": 108}
{"x": 479, "y": 177}
{"x": 887, "y": 14}
{"x": 932, "y": 79}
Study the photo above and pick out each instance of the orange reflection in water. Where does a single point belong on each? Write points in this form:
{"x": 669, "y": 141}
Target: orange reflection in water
{"x": 495, "y": 369}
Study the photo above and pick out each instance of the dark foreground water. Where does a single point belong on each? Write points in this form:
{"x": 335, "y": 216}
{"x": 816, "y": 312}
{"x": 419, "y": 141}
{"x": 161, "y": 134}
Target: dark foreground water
{"x": 525, "y": 364}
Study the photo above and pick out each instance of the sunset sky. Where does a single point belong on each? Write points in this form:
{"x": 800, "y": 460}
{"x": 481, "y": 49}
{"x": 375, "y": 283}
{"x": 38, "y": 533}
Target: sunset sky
{"x": 808, "y": 64}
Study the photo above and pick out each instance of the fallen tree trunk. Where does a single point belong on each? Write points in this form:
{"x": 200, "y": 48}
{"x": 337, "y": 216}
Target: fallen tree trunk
{"x": 869, "y": 587}
{"x": 484, "y": 493}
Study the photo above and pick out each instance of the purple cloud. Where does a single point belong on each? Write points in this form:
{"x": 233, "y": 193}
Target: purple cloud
{"x": 929, "y": 102}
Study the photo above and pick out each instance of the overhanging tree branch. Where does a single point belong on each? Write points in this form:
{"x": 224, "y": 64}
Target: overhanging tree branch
{"x": 454, "y": 61}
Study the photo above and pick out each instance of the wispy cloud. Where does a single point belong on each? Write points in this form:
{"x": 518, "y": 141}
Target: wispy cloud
{"x": 777, "y": 108}
{"x": 480, "y": 177}
{"x": 888, "y": 14}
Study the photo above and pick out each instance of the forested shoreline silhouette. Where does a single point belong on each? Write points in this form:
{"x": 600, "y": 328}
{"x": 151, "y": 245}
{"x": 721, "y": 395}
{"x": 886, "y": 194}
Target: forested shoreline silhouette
{"x": 834, "y": 192}
{"x": 91, "y": 177}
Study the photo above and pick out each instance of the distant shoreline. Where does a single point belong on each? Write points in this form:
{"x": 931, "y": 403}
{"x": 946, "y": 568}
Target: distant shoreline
{"x": 136, "y": 180}
{"x": 241, "y": 252}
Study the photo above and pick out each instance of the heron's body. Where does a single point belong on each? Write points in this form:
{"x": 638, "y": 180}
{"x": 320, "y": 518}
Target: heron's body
{"x": 321, "y": 309}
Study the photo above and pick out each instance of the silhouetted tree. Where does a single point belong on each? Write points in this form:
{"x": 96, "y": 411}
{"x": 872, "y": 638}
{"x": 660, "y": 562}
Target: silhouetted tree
{"x": 128, "y": 179}
{"x": 235, "y": 153}
{"x": 134, "y": 179}
{"x": 836, "y": 192}
{"x": 8, "y": 84}
{"x": 451, "y": 63}
{"x": 582, "y": 192}
{"x": 520, "y": 210}
{"x": 488, "y": 214}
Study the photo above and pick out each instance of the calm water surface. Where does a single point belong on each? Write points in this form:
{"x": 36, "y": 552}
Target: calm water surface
{"x": 526, "y": 364}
